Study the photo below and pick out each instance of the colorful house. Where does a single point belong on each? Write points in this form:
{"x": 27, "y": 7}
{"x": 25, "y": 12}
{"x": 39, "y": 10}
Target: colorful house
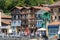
{"x": 53, "y": 26}
{"x": 5, "y": 22}
{"x": 42, "y": 17}
{"x": 27, "y": 16}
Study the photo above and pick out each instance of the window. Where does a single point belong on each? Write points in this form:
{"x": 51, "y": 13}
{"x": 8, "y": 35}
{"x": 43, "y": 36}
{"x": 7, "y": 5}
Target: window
{"x": 19, "y": 22}
{"x": 39, "y": 24}
{"x": 59, "y": 10}
{"x": 51, "y": 10}
{"x": 14, "y": 22}
{"x": 59, "y": 17}
{"x": 53, "y": 31}
{"x": 18, "y": 16}
{"x": 38, "y": 16}
{"x": 14, "y": 17}
{"x": 24, "y": 16}
{"x": 55, "y": 17}
{"x": 29, "y": 11}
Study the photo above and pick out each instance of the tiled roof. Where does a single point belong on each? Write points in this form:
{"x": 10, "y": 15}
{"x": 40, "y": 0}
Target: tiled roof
{"x": 55, "y": 23}
{"x": 5, "y": 16}
{"x": 19, "y": 7}
{"x": 6, "y": 21}
{"x": 56, "y": 4}
{"x": 35, "y": 7}
{"x": 43, "y": 8}
{"x": 46, "y": 8}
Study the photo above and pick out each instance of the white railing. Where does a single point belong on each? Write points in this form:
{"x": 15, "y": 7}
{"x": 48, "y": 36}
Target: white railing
{"x": 4, "y": 27}
{"x": 16, "y": 23}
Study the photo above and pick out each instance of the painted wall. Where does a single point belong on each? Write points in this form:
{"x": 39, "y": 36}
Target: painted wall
{"x": 39, "y": 23}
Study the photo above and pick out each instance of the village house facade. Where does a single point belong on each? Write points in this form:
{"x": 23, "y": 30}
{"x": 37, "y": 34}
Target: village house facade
{"x": 53, "y": 27}
{"x": 5, "y": 23}
{"x": 27, "y": 16}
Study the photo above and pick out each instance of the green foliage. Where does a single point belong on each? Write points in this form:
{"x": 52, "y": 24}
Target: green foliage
{"x": 21, "y": 3}
{"x": 6, "y": 5}
{"x": 51, "y": 1}
{"x": 2, "y": 4}
{"x": 33, "y": 3}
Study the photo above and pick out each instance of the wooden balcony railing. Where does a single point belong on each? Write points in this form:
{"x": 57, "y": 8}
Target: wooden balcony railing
{"x": 4, "y": 27}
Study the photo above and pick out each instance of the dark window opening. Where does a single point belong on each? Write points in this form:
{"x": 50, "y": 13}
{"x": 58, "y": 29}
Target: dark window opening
{"x": 59, "y": 17}
{"x": 14, "y": 17}
{"x": 54, "y": 0}
{"x": 18, "y": 16}
{"x": 51, "y": 10}
{"x": 55, "y": 17}
{"x": 59, "y": 10}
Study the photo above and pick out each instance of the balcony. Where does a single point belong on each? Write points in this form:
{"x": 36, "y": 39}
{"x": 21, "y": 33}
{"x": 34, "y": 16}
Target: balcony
{"x": 16, "y": 23}
{"x": 32, "y": 21}
{"x": 23, "y": 18}
{"x": 30, "y": 17}
{"x": 24, "y": 23}
{"x": 4, "y": 27}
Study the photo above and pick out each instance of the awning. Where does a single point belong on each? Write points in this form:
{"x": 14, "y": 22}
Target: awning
{"x": 55, "y": 23}
{"x": 41, "y": 29}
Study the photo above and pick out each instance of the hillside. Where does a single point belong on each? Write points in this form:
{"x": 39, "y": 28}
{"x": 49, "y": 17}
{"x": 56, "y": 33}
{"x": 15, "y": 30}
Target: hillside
{"x": 6, "y": 5}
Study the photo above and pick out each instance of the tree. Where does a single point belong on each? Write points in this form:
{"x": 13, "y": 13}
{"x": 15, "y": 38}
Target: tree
{"x": 6, "y": 5}
{"x": 30, "y": 2}
{"x": 51, "y": 1}
{"x": 46, "y": 17}
{"x": 2, "y": 4}
{"x": 27, "y": 3}
{"x": 21, "y": 3}
{"x": 38, "y": 2}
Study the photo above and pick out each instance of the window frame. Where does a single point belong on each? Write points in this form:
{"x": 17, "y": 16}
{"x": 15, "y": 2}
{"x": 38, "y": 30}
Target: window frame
{"x": 59, "y": 10}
